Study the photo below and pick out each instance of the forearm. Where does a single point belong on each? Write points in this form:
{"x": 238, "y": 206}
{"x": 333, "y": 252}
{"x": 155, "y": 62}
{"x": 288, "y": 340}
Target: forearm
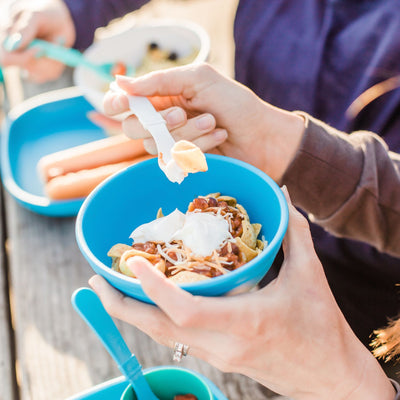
{"x": 281, "y": 133}
{"x": 88, "y": 15}
{"x": 349, "y": 184}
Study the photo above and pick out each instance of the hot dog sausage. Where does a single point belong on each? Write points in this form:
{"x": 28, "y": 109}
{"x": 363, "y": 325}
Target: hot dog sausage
{"x": 111, "y": 150}
{"x": 81, "y": 183}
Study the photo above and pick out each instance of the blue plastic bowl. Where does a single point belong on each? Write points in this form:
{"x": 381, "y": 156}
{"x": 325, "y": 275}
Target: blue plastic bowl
{"x": 41, "y": 125}
{"x": 132, "y": 197}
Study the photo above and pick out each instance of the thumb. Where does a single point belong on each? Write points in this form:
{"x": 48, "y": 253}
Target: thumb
{"x": 143, "y": 268}
{"x": 297, "y": 245}
{"x": 185, "y": 81}
{"x": 301, "y": 270}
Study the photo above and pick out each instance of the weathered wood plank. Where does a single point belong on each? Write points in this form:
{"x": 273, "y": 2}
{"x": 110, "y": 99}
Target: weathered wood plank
{"x": 7, "y": 375}
{"x": 7, "y": 381}
{"x": 46, "y": 267}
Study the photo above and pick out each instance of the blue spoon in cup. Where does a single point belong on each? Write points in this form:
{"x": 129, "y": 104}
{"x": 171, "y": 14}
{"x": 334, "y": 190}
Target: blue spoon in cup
{"x": 89, "y": 307}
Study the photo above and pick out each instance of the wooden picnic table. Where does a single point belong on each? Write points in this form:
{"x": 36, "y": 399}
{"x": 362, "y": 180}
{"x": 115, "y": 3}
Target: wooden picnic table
{"x": 46, "y": 351}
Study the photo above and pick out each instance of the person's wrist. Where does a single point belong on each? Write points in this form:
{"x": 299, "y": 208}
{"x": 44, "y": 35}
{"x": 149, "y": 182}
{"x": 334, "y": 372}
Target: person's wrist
{"x": 373, "y": 384}
{"x": 283, "y": 132}
{"x": 364, "y": 379}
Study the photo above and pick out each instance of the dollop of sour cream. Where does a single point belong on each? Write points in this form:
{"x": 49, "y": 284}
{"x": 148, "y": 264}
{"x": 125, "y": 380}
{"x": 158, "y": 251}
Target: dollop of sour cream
{"x": 201, "y": 232}
{"x": 160, "y": 230}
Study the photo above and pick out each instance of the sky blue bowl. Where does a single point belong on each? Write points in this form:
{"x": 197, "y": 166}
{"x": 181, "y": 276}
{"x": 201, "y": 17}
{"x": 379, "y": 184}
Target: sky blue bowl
{"x": 132, "y": 197}
{"x": 41, "y": 125}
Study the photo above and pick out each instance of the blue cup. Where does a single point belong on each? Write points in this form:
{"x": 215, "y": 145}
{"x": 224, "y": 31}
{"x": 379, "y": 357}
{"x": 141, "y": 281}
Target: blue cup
{"x": 167, "y": 382}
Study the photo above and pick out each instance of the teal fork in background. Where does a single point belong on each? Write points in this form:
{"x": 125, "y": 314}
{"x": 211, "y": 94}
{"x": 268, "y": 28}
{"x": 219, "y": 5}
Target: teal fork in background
{"x": 3, "y": 95}
{"x": 89, "y": 307}
{"x": 68, "y": 56}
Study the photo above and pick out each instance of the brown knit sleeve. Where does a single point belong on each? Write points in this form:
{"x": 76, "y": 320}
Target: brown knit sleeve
{"x": 348, "y": 184}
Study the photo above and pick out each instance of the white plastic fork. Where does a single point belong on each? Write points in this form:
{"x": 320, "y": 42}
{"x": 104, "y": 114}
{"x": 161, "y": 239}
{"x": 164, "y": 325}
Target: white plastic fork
{"x": 153, "y": 122}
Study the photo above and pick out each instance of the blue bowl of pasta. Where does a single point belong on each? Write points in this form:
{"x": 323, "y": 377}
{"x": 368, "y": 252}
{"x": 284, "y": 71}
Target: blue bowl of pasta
{"x": 231, "y": 193}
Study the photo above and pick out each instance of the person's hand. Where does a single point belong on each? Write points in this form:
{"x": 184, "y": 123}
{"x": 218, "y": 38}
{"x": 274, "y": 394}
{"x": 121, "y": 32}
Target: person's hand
{"x": 175, "y": 117}
{"x": 26, "y": 20}
{"x": 290, "y": 336}
{"x": 258, "y": 133}
{"x": 110, "y": 125}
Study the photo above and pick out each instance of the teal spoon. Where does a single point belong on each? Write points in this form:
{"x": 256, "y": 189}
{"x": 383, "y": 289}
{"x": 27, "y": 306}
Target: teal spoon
{"x": 67, "y": 56}
{"x": 89, "y": 307}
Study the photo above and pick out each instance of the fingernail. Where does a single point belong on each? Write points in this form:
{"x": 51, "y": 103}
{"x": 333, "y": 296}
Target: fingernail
{"x": 286, "y": 194}
{"x": 93, "y": 282}
{"x": 175, "y": 117}
{"x": 12, "y": 42}
{"x": 134, "y": 265}
{"x": 123, "y": 78}
{"x": 117, "y": 102}
{"x": 205, "y": 122}
{"x": 150, "y": 146}
{"x": 220, "y": 134}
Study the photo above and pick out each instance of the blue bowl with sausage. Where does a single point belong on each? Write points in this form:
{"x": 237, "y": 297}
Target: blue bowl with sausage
{"x": 132, "y": 197}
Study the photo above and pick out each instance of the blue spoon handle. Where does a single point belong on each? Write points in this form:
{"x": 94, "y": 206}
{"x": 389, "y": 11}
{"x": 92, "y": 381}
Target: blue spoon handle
{"x": 71, "y": 57}
{"x": 89, "y": 307}
{"x": 68, "y": 56}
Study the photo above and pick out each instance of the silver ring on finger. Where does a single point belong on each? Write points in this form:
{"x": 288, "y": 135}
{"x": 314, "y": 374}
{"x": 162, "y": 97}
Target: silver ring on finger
{"x": 180, "y": 351}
